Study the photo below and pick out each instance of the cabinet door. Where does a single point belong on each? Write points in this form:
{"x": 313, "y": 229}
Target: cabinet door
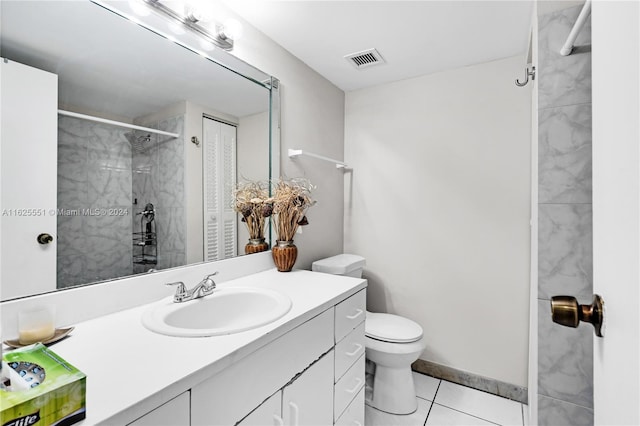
{"x": 173, "y": 413}
{"x": 229, "y": 396}
{"x": 309, "y": 399}
{"x": 28, "y": 197}
{"x": 269, "y": 413}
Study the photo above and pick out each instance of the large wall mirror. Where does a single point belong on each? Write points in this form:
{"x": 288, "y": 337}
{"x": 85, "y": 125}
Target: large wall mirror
{"x": 120, "y": 147}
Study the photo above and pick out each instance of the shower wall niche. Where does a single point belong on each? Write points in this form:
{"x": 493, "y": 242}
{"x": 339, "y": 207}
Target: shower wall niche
{"x": 106, "y": 177}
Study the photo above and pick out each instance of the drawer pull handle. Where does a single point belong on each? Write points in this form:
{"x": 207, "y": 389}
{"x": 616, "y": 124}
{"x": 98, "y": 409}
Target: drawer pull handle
{"x": 277, "y": 420}
{"x": 356, "y": 315}
{"x": 356, "y": 387}
{"x": 356, "y": 351}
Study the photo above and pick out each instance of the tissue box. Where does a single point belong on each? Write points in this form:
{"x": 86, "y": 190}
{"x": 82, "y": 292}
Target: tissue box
{"x": 45, "y": 389}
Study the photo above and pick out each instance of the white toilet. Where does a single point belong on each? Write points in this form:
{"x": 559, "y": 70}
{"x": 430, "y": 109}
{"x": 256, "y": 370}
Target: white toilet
{"x": 392, "y": 343}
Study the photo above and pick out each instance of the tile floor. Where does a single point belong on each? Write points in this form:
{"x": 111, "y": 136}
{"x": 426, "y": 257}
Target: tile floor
{"x": 441, "y": 403}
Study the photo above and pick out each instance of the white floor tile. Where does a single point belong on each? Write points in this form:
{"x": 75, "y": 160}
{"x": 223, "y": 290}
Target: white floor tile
{"x": 373, "y": 417}
{"x": 426, "y": 386}
{"x": 480, "y": 404}
{"x": 443, "y": 416}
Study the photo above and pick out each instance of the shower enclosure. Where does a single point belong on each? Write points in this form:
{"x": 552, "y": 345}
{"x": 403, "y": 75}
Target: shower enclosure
{"x": 122, "y": 189}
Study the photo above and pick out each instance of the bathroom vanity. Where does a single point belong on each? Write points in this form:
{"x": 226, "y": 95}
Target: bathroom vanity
{"x": 305, "y": 368}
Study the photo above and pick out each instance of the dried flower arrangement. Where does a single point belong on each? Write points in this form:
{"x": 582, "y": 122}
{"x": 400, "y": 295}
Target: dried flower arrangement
{"x": 292, "y": 198}
{"x": 252, "y": 201}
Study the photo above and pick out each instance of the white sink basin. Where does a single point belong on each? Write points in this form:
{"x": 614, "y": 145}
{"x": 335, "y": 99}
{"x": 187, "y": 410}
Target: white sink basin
{"x": 226, "y": 311}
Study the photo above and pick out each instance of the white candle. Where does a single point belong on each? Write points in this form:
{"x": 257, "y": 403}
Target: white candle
{"x": 36, "y": 325}
{"x": 36, "y": 334}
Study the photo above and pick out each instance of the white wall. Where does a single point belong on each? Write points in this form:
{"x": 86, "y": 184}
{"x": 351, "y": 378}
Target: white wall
{"x": 439, "y": 205}
{"x": 253, "y": 149}
{"x": 312, "y": 111}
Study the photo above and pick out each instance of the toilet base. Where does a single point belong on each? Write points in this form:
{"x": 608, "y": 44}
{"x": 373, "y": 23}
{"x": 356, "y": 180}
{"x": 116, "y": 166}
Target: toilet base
{"x": 393, "y": 390}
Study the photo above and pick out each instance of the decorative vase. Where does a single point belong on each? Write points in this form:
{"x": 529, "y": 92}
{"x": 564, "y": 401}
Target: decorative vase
{"x": 284, "y": 255}
{"x": 256, "y": 245}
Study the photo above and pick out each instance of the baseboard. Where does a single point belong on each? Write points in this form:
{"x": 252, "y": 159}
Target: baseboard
{"x": 485, "y": 384}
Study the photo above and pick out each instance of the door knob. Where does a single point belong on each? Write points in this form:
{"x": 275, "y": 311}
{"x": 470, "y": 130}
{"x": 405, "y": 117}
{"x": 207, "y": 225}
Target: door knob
{"x": 566, "y": 311}
{"x": 44, "y": 238}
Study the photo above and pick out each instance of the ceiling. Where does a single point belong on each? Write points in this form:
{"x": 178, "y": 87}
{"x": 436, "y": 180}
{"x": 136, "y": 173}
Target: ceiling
{"x": 413, "y": 37}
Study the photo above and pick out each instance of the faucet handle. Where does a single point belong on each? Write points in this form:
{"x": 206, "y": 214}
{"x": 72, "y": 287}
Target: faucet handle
{"x": 208, "y": 278}
{"x": 181, "y": 291}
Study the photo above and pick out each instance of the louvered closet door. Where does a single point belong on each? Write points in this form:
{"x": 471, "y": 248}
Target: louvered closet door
{"x": 220, "y": 220}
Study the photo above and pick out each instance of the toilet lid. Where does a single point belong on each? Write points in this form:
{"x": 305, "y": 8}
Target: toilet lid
{"x": 391, "y": 328}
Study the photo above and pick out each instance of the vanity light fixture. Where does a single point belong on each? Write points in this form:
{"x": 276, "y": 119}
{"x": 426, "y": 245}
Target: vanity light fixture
{"x": 138, "y": 8}
{"x": 197, "y": 12}
{"x": 224, "y": 35}
{"x": 231, "y": 28}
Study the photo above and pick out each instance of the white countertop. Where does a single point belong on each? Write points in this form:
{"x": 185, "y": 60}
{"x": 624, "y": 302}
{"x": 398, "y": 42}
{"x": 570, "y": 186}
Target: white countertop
{"x": 131, "y": 370}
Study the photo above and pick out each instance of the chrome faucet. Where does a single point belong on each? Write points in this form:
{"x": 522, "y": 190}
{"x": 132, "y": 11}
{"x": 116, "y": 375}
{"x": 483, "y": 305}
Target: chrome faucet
{"x": 203, "y": 288}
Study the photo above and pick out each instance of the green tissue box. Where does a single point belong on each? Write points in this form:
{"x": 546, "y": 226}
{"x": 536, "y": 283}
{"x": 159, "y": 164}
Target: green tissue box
{"x": 40, "y": 388}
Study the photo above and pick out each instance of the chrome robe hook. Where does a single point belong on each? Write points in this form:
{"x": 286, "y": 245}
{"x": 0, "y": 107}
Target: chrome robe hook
{"x": 527, "y": 73}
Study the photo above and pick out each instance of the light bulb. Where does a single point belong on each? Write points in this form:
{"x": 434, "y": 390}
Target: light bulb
{"x": 198, "y": 11}
{"x": 232, "y": 28}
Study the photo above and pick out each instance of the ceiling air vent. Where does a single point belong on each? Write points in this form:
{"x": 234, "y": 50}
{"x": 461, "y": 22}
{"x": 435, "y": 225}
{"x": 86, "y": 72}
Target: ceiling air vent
{"x": 364, "y": 59}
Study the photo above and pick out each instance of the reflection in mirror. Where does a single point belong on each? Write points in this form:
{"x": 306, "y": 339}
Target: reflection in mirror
{"x": 122, "y": 145}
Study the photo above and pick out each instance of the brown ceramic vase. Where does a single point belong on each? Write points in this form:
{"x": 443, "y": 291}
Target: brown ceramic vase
{"x": 284, "y": 255}
{"x": 256, "y": 245}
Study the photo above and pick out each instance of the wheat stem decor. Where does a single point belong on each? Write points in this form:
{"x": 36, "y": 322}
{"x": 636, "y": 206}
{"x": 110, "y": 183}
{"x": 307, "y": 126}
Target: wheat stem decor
{"x": 291, "y": 199}
{"x": 252, "y": 201}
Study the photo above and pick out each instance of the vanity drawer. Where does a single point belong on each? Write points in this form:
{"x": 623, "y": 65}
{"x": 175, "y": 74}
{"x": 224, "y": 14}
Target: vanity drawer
{"x": 348, "y": 387}
{"x": 354, "y": 414}
{"x": 349, "y": 350}
{"x": 350, "y": 313}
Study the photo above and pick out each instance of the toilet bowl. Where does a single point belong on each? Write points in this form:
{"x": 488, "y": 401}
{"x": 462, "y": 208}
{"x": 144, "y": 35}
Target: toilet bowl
{"x": 392, "y": 344}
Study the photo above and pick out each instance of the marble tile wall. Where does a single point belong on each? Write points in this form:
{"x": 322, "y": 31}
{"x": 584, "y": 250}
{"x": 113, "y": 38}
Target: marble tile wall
{"x": 158, "y": 178}
{"x": 94, "y": 202}
{"x": 100, "y": 171}
{"x": 565, "y": 253}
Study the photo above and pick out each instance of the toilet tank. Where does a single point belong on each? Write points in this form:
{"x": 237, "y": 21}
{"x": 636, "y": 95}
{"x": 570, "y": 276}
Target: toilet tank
{"x": 350, "y": 265}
